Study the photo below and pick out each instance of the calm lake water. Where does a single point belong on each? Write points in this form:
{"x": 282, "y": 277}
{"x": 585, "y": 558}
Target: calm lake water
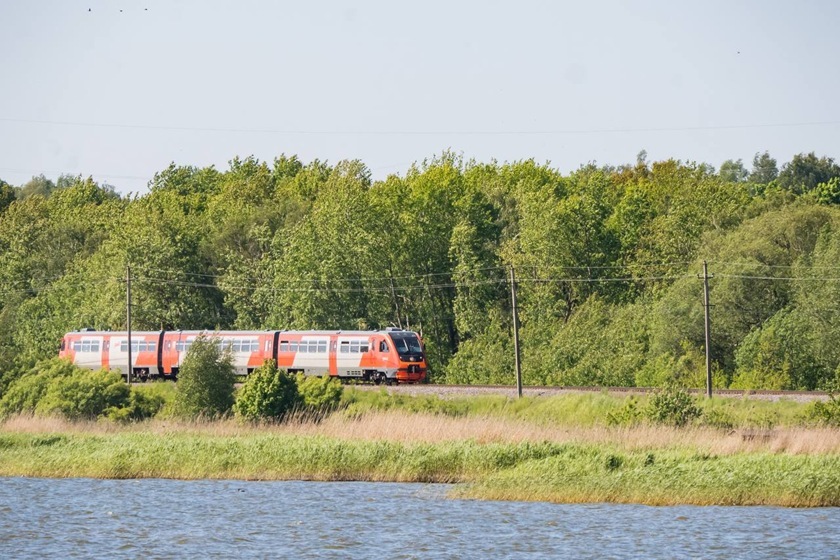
{"x": 82, "y": 518}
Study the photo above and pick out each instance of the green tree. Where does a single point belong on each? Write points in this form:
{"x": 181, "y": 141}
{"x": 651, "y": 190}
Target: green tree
{"x": 828, "y": 192}
{"x": 778, "y": 355}
{"x": 487, "y": 357}
{"x": 733, "y": 171}
{"x": 805, "y": 171}
{"x": 37, "y": 186}
{"x": 764, "y": 170}
{"x": 7, "y": 195}
{"x": 205, "y": 381}
{"x": 817, "y": 294}
{"x": 319, "y": 266}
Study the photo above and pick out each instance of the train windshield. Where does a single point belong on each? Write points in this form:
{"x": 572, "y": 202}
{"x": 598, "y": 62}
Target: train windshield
{"x": 406, "y": 343}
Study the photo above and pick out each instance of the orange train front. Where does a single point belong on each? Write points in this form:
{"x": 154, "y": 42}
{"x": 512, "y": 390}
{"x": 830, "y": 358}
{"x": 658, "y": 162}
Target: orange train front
{"x": 388, "y": 356}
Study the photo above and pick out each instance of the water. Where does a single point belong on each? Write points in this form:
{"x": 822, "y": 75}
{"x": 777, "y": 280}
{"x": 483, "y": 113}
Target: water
{"x": 82, "y": 518}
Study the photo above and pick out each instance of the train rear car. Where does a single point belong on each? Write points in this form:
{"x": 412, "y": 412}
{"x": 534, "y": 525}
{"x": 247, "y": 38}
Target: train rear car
{"x": 105, "y": 349}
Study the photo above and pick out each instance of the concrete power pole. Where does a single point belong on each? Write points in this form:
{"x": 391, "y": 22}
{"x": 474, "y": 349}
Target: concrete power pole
{"x": 515, "y": 333}
{"x": 708, "y": 329}
{"x": 128, "y": 318}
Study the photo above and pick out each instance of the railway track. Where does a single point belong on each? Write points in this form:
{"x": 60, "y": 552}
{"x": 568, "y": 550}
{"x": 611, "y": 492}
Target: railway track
{"x": 451, "y": 391}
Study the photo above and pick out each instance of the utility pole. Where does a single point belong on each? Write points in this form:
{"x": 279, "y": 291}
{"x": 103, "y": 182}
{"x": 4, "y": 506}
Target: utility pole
{"x": 515, "y": 333}
{"x": 396, "y": 302}
{"x": 128, "y": 318}
{"x": 708, "y": 329}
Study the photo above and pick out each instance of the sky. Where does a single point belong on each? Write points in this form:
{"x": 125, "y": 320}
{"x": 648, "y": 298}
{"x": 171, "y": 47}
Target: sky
{"x": 118, "y": 90}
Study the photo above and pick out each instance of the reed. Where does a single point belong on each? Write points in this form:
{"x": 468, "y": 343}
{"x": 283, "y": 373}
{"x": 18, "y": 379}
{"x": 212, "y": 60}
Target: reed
{"x": 493, "y": 457}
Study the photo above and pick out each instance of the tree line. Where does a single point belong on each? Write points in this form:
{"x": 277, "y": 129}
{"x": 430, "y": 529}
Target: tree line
{"x": 606, "y": 258}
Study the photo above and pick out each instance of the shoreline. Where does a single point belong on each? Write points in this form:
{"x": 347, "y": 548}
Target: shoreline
{"x": 573, "y": 471}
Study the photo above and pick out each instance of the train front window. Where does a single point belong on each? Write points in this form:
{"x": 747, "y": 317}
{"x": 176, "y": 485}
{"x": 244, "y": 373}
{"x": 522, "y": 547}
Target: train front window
{"x": 406, "y": 343}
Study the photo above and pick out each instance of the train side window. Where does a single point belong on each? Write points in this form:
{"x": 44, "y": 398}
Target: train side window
{"x": 383, "y": 346}
{"x": 284, "y": 346}
{"x": 322, "y": 347}
{"x": 345, "y": 347}
{"x": 364, "y": 347}
{"x": 293, "y": 346}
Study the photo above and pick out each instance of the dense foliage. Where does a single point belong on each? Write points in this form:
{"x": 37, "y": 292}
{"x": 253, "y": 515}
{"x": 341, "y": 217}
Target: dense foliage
{"x": 205, "y": 381}
{"x": 58, "y": 388}
{"x": 606, "y": 259}
{"x": 268, "y": 393}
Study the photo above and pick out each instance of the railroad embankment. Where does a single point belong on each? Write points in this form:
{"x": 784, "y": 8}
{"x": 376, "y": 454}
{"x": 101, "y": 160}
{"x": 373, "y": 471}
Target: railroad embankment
{"x": 489, "y": 457}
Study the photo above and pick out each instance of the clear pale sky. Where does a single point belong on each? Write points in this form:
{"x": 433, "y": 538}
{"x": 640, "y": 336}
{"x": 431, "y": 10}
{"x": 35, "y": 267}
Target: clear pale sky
{"x": 119, "y": 89}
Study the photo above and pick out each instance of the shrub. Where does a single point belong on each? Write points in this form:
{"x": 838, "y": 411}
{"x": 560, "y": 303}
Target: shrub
{"x": 717, "y": 418}
{"x": 827, "y": 412}
{"x": 57, "y": 387}
{"x": 319, "y": 394}
{"x": 672, "y": 407}
{"x": 141, "y": 405}
{"x": 628, "y": 415}
{"x": 205, "y": 381}
{"x": 84, "y": 394}
{"x": 24, "y": 393}
{"x": 268, "y": 392}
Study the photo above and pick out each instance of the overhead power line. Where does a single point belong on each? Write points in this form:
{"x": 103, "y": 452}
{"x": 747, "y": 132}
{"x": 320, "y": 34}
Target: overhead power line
{"x": 338, "y": 285}
{"x": 410, "y": 132}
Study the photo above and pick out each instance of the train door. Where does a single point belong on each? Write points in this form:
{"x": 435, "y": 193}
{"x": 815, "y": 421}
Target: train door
{"x": 349, "y": 355}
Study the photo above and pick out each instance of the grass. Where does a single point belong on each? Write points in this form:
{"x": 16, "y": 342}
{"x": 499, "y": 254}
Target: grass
{"x": 579, "y": 409}
{"x": 561, "y": 448}
{"x": 498, "y": 455}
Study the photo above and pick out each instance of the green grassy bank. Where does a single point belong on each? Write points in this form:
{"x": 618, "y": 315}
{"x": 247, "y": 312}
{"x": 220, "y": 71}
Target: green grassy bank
{"x": 584, "y": 474}
{"x": 545, "y": 471}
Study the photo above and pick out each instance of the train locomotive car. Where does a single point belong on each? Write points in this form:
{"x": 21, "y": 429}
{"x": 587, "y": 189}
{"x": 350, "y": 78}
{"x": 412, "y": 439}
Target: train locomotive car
{"x": 387, "y": 356}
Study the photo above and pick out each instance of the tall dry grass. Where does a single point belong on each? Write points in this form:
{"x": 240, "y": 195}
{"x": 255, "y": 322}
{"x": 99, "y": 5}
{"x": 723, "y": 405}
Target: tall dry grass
{"x": 413, "y": 428}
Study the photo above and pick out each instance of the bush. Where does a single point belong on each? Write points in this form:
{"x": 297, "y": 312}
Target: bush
{"x": 205, "y": 381}
{"x": 319, "y": 394}
{"x": 57, "y": 387}
{"x": 268, "y": 392}
{"x": 24, "y": 394}
{"x": 84, "y": 394}
{"x": 672, "y": 407}
{"x": 141, "y": 405}
{"x": 628, "y": 415}
{"x": 827, "y": 412}
{"x": 717, "y": 418}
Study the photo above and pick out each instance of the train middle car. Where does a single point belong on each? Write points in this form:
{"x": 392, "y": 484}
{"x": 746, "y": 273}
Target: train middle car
{"x": 389, "y": 356}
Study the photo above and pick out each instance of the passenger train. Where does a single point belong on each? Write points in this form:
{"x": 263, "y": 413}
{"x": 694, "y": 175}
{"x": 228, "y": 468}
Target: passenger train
{"x": 389, "y": 356}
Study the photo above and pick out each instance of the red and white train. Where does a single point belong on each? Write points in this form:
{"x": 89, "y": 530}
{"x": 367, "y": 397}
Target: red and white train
{"x": 389, "y": 356}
